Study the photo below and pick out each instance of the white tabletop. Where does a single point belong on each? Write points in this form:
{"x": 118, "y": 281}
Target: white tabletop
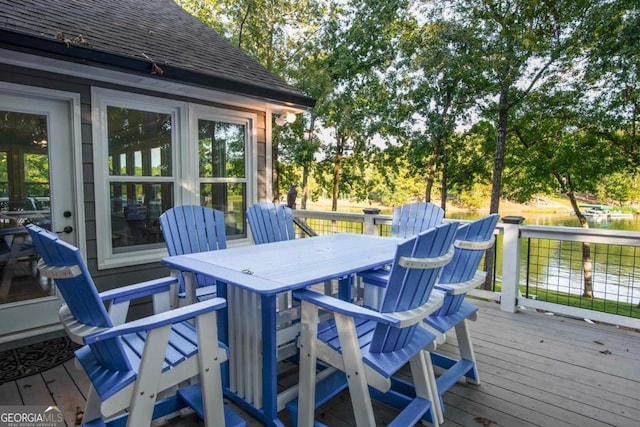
{"x": 282, "y": 266}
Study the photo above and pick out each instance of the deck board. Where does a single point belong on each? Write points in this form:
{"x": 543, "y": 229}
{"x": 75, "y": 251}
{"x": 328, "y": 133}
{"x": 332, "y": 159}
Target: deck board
{"x": 535, "y": 370}
{"x": 65, "y": 393}
{"x": 33, "y": 391}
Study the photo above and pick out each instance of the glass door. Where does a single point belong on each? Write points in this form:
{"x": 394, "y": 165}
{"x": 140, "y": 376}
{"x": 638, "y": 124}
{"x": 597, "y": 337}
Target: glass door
{"x": 36, "y": 187}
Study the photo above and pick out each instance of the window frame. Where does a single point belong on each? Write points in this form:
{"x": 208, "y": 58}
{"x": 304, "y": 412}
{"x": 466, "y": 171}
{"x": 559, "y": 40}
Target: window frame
{"x": 185, "y": 163}
{"x": 191, "y": 159}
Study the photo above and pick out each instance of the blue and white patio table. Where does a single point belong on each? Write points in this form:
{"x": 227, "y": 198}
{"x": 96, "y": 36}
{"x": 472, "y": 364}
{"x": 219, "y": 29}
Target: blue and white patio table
{"x": 256, "y": 274}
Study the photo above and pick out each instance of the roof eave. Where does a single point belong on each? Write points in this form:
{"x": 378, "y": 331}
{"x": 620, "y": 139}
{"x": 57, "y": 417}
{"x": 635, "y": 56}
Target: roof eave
{"x": 91, "y": 56}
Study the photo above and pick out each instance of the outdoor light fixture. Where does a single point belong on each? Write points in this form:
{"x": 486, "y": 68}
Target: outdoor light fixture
{"x": 285, "y": 117}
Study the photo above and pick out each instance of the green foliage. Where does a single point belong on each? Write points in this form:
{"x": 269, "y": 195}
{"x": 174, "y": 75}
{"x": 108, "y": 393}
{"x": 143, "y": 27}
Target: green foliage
{"x": 529, "y": 96}
{"x": 475, "y": 197}
{"x": 619, "y": 188}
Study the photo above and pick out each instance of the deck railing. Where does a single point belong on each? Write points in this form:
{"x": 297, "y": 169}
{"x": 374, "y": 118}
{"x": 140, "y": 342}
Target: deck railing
{"x": 539, "y": 267}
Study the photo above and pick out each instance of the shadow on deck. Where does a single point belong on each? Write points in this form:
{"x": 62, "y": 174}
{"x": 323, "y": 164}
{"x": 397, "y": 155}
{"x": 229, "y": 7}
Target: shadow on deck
{"x": 536, "y": 369}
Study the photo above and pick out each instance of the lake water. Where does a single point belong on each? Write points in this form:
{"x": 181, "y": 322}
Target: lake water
{"x": 568, "y": 220}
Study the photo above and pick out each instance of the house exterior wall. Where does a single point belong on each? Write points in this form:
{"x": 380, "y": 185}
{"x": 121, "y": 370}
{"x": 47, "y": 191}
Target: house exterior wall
{"x": 109, "y": 278}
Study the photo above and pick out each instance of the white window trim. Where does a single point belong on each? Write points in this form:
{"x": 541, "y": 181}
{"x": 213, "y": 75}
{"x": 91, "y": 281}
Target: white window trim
{"x": 185, "y": 162}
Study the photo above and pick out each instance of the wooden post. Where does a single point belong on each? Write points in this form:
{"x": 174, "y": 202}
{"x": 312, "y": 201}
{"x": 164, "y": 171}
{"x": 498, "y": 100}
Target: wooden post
{"x": 369, "y": 221}
{"x": 510, "y": 265}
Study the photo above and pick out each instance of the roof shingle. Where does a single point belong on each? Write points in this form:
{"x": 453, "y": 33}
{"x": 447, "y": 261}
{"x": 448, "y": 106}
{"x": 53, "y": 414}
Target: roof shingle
{"x": 153, "y": 30}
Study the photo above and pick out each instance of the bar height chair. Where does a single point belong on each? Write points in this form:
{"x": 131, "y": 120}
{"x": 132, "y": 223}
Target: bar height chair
{"x": 408, "y": 220}
{"x": 191, "y": 229}
{"x": 457, "y": 278}
{"x": 130, "y": 363}
{"x": 368, "y": 347}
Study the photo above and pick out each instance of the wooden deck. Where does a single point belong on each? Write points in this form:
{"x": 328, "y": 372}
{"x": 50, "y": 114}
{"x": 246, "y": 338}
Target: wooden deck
{"x": 536, "y": 370}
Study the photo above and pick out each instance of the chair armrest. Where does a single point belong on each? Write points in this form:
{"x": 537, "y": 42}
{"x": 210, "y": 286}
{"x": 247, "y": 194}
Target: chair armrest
{"x": 158, "y": 320}
{"x": 463, "y": 287}
{"x": 343, "y": 307}
{"x": 138, "y": 290}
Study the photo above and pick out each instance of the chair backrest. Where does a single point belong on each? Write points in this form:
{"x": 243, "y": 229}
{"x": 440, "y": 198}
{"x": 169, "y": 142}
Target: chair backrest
{"x": 465, "y": 261}
{"x": 191, "y": 229}
{"x": 270, "y": 222}
{"x": 414, "y": 271}
{"x": 412, "y": 218}
{"x": 79, "y": 294}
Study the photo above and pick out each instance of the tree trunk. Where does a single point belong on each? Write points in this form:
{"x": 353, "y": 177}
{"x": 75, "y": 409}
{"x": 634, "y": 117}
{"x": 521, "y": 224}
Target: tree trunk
{"x": 443, "y": 183}
{"x": 337, "y": 172}
{"x": 498, "y": 167}
{"x": 587, "y": 267}
{"x": 431, "y": 176}
{"x": 305, "y": 185}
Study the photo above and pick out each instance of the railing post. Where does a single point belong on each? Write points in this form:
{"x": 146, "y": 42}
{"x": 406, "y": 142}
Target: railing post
{"x": 369, "y": 226}
{"x": 510, "y": 263}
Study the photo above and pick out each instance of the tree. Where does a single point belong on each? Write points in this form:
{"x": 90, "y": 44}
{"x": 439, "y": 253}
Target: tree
{"x": 354, "y": 52}
{"x": 611, "y": 76}
{"x": 434, "y": 83}
{"x": 552, "y": 152}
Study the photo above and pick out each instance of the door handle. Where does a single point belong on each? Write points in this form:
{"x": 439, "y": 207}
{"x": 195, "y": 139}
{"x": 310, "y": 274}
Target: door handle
{"x": 68, "y": 229}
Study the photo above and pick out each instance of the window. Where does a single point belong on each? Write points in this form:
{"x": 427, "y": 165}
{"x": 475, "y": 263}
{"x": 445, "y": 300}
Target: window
{"x": 140, "y": 175}
{"x": 222, "y": 165}
{"x": 151, "y": 154}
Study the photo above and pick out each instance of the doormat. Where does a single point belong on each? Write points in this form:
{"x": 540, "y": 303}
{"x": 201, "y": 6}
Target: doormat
{"x": 35, "y": 358}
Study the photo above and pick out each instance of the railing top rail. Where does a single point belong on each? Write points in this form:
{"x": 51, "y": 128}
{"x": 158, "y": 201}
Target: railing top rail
{"x": 338, "y": 216}
{"x": 577, "y": 234}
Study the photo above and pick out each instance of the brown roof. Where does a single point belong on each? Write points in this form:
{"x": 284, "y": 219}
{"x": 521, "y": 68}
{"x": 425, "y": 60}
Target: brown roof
{"x": 133, "y": 34}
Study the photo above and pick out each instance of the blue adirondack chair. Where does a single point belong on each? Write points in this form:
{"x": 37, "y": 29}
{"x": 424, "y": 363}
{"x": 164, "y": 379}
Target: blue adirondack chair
{"x": 456, "y": 279}
{"x": 370, "y": 346}
{"x": 130, "y": 363}
{"x": 407, "y": 221}
{"x": 412, "y": 218}
{"x": 191, "y": 229}
{"x": 270, "y": 222}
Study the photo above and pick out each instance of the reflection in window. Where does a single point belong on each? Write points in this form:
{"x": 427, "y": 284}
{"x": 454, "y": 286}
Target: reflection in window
{"x": 139, "y": 142}
{"x": 24, "y": 165}
{"x": 230, "y": 199}
{"x": 139, "y": 146}
{"x": 135, "y": 209}
{"x": 221, "y": 148}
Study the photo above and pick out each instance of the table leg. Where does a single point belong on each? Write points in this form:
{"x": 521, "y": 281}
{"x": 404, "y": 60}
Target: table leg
{"x": 253, "y": 354}
{"x": 344, "y": 288}
{"x": 269, "y": 358}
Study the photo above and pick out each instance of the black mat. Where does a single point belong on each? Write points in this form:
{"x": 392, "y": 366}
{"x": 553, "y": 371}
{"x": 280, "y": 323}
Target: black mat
{"x": 35, "y": 358}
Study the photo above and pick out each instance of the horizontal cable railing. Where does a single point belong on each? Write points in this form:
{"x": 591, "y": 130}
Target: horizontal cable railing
{"x": 540, "y": 267}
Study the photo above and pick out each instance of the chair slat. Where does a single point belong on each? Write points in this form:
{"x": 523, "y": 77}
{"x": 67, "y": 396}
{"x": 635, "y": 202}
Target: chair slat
{"x": 191, "y": 229}
{"x": 270, "y": 222}
{"x": 412, "y": 218}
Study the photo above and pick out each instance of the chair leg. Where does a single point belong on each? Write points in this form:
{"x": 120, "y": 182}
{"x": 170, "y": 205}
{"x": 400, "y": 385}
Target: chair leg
{"x": 354, "y": 369}
{"x": 209, "y": 359}
{"x": 308, "y": 351}
{"x": 466, "y": 349}
{"x": 424, "y": 381}
{"x": 92, "y": 407}
{"x": 145, "y": 390}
